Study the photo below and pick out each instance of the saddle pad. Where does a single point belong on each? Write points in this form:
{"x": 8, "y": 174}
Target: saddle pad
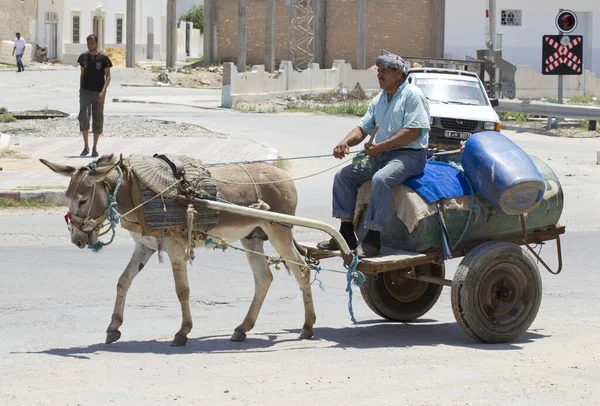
{"x": 156, "y": 174}
{"x": 168, "y": 212}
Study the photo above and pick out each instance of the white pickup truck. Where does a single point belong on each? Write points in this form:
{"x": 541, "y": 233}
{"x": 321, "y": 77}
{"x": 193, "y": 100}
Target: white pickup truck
{"x": 459, "y": 105}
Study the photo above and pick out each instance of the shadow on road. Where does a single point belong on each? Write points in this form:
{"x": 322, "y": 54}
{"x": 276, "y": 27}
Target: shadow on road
{"x": 365, "y": 335}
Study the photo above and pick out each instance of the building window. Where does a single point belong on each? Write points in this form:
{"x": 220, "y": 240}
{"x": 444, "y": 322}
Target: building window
{"x": 511, "y": 18}
{"x": 119, "y": 30}
{"x": 75, "y": 29}
{"x": 51, "y": 17}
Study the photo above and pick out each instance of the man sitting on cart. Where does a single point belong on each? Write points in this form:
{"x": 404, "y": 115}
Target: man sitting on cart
{"x": 398, "y": 152}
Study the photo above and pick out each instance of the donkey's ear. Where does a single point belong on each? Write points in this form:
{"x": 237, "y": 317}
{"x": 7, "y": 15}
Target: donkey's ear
{"x": 98, "y": 174}
{"x": 61, "y": 169}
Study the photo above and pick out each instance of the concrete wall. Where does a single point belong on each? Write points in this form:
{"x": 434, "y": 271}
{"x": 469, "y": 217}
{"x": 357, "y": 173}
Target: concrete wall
{"x": 6, "y": 56}
{"x": 466, "y": 29}
{"x": 534, "y": 85}
{"x": 18, "y": 16}
{"x": 258, "y": 85}
{"x": 401, "y": 26}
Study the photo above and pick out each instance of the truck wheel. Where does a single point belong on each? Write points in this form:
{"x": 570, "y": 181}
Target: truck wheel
{"x": 400, "y": 299}
{"x": 496, "y": 292}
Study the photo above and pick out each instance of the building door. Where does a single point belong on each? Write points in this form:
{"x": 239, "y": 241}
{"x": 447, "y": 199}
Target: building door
{"x": 52, "y": 35}
{"x": 98, "y": 28}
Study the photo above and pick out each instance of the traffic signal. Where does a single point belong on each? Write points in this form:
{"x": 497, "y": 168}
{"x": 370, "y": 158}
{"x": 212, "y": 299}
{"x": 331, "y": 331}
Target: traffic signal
{"x": 566, "y": 21}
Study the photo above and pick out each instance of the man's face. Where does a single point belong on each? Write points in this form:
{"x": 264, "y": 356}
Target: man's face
{"x": 18, "y": 36}
{"x": 91, "y": 44}
{"x": 388, "y": 78}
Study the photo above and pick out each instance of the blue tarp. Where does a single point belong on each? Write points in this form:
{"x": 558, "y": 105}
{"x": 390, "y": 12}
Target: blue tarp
{"x": 440, "y": 180}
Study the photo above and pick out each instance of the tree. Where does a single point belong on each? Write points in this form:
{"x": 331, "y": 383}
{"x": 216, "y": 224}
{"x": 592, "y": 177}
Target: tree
{"x": 196, "y": 16}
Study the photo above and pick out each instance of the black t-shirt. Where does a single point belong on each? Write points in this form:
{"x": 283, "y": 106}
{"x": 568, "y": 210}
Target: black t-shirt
{"x": 93, "y": 73}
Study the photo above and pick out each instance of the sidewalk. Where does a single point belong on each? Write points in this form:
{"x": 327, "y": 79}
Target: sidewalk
{"x": 24, "y": 177}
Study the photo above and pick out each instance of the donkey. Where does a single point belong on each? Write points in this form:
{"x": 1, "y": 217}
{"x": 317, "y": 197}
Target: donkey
{"x": 88, "y": 197}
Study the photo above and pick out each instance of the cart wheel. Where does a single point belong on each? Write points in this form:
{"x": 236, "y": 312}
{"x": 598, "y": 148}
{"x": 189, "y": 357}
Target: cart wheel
{"x": 400, "y": 299}
{"x": 496, "y": 292}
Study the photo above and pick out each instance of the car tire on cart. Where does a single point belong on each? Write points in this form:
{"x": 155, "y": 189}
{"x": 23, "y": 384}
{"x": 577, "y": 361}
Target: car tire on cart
{"x": 496, "y": 292}
{"x": 396, "y": 298}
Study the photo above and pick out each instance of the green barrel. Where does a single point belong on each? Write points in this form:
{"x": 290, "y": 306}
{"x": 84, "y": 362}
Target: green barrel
{"x": 485, "y": 222}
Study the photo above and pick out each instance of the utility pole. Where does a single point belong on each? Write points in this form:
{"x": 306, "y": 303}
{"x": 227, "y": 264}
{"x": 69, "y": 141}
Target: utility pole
{"x": 241, "y": 51}
{"x": 361, "y": 50}
{"x": 171, "y": 33}
{"x": 130, "y": 38}
{"x": 270, "y": 36}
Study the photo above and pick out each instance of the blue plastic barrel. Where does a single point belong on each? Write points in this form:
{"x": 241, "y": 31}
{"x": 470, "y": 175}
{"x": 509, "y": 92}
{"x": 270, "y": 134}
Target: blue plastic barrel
{"x": 502, "y": 173}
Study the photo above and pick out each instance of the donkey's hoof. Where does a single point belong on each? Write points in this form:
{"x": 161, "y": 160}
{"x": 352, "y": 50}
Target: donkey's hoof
{"x": 306, "y": 334}
{"x": 112, "y": 336}
{"x": 179, "y": 341}
{"x": 238, "y": 336}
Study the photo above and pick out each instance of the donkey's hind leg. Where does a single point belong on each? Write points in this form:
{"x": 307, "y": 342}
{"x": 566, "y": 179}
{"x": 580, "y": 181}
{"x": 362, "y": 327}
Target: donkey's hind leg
{"x": 262, "y": 281}
{"x": 140, "y": 257}
{"x": 282, "y": 239}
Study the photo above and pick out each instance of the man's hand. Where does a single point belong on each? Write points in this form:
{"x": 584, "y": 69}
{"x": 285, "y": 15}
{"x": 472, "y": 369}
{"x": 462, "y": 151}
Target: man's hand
{"x": 341, "y": 150}
{"x": 101, "y": 96}
{"x": 373, "y": 149}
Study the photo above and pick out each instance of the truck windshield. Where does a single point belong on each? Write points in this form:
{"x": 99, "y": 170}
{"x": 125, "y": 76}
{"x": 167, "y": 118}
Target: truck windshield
{"x": 452, "y": 91}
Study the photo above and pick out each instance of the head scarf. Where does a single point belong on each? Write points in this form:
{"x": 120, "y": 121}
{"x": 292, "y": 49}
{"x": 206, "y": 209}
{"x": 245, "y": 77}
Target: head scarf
{"x": 392, "y": 61}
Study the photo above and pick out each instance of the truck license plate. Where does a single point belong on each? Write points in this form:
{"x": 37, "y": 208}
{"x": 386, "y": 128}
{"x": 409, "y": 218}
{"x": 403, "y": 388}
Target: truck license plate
{"x": 457, "y": 135}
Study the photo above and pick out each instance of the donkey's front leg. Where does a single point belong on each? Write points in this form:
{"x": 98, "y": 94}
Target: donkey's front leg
{"x": 176, "y": 250}
{"x": 139, "y": 259}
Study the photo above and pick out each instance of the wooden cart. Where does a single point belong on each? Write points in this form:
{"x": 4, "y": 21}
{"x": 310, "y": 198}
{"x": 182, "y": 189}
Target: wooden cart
{"x": 495, "y": 293}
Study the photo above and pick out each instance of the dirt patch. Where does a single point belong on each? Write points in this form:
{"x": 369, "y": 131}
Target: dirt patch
{"x": 198, "y": 77}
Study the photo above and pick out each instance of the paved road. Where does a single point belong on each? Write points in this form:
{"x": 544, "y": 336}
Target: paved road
{"x": 55, "y": 304}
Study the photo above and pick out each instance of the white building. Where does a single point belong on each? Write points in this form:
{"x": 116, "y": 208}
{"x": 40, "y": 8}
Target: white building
{"x": 522, "y": 25}
{"x": 63, "y": 26}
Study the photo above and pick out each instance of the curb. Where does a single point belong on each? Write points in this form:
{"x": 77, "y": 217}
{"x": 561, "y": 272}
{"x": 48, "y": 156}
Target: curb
{"x": 55, "y": 197}
{"x": 125, "y": 100}
{"x": 173, "y": 87}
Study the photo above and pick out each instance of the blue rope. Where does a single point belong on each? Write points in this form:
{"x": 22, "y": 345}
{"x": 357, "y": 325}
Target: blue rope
{"x": 353, "y": 276}
{"x": 318, "y": 270}
{"x": 447, "y": 246}
{"x": 99, "y": 244}
{"x": 111, "y": 213}
{"x": 211, "y": 243}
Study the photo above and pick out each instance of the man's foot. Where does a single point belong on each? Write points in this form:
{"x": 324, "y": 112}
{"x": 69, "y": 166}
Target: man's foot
{"x": 94, "y": 153}
{"x": 371, "y": 245}
{"x": 347, "y": 231}
{"x": 84, "y": 152}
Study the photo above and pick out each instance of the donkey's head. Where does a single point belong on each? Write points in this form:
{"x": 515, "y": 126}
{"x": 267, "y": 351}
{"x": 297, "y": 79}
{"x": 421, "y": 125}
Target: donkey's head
{"x": 88, "y": 198}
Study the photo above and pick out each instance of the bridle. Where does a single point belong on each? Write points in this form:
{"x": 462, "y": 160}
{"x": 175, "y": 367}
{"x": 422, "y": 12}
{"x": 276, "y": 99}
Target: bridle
{"x": 86, "y": 224}
{"x": 89, "y": 224}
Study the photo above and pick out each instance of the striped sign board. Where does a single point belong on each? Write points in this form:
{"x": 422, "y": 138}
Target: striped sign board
{"x": 562, "y": 55}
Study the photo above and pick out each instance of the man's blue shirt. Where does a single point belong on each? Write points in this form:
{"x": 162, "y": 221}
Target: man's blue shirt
{"x": 408, "y": 109}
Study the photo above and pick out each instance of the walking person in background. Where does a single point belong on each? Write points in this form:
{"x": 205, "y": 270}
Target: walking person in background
{"x": 19, "y": 49}
{"x": 94, "y": 80}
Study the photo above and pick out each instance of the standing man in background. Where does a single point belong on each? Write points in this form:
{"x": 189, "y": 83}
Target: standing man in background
{"x": 19, "y": 49}
{"x": 93, "y": 82}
